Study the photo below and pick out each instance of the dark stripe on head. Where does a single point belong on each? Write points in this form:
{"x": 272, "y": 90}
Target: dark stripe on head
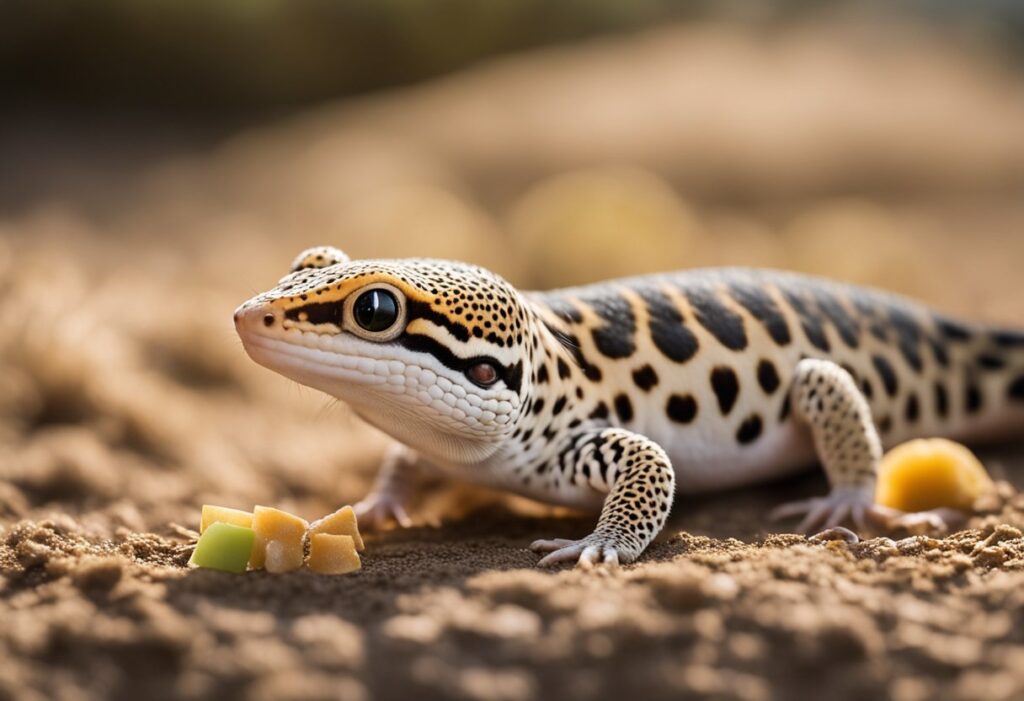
{"x": 750, "y": 430}
{"x": 422, "y": 310}
{"x": 767, "y": 376}
{"x": 668, "y": 329}
{"x": 810, "y": 320}
{"x": 887, "y": 374}
{"x": 845, "y": 324}
{"x": 317, "y": 312}
{"x": 763, "y": 308}
{"x": 720, "y": 321}
{"x": 726, "y": 387}
{"x": 615, "y": 338}
{"x": 645, "y": 378}
{"x": 681, "y": 408}
{"x": 511, "y": 375}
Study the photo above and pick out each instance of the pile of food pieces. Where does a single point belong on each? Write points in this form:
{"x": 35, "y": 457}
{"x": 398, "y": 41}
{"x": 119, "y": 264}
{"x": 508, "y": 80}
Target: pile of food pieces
{"x": 232, "y": 540}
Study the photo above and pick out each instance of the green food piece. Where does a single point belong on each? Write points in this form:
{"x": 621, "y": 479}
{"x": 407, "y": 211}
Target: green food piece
{"x": 225, "y": 547}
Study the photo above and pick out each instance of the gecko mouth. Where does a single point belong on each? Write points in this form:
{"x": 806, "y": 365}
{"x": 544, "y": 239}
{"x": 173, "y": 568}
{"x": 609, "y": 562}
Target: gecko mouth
{"x": 288, "y": 356}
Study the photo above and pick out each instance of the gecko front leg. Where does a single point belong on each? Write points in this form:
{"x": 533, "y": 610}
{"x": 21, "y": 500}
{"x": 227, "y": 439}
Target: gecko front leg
{"x": 399, "y": 481}
{"x": 826, "y": 398}
{"x": 638, "y": 479}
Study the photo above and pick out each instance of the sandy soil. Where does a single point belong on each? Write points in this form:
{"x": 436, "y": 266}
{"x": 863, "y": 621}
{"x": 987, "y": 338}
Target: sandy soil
{"x": 126, "y": 402}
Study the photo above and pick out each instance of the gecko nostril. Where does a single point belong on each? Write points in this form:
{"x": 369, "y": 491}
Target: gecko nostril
{"x": 268, "y": 319}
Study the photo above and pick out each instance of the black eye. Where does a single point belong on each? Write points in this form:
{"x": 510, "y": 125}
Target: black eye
{"x": 376, "y": 310}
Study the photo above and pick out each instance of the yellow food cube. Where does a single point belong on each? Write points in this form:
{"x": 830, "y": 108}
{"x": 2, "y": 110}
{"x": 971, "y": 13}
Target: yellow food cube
{"x": 283, "y": 556}
{"x": 222, "y": 514}
{"x": 928, "y": 474}
{"x": 273, "y": 525}
{"x": 332, "y": 554}
{"x": 341, "y": 522}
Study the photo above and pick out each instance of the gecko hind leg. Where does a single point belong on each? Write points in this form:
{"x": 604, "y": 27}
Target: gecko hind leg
{"x": 826, "y": 398}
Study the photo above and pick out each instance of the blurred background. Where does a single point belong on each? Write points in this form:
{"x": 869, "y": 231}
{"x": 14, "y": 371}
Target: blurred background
{"x": 160, "y": 162}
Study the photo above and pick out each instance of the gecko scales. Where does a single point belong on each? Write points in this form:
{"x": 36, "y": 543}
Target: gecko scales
{"x": 614, "y": 396}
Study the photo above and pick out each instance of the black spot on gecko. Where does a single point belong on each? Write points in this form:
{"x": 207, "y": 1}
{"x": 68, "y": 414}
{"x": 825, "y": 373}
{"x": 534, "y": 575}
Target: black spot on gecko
{"x": 912, "y": 410}
{"x": 726, "y": 387}
{"x": 1008, "y": 339}
{"x": 810, "y": 321}
{"x": 908, "y": 334}
{"x": 750, "y": 430}
{"x": 1016, "y": 389}
{"x": 668, "y": 328}
{"x": 623, "y": 408}
{"x": 615, "y": 338}
{"x": 951, "y": 329}
{"x": 599, "y": 412}
{"x": 563, "y": 369}
{"x": 763, "y": 308}
{"x": 840, "y": 318}
{"x": 941, "y": 400}
{"x": 989, "y": 361}
{"x": 681, "y": 408}
{"x": 645, "y": 378}
{"x": 542, "y": 375}
{"x": 720, "y": 321}
{"x": 767, "y": 376}
{"x": 558, "y": 406}
{"x": 565, "y": 310}
{"x": 972, "y": 397}
{"x": 887, "y": 374}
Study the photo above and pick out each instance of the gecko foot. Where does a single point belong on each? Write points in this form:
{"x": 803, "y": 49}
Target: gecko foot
{"x": 379, "y": 510}
{"x": 841, "y": 504}
{"x": 590, "y": 551}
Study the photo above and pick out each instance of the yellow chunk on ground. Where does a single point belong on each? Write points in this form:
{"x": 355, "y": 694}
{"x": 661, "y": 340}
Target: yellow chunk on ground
{"x": 929, "y": 474}
{"x": 341, "y": 522}
{"x": 332, "y": 554}
{"x": 276, "y": 526}
{"x": 222, "y": 514}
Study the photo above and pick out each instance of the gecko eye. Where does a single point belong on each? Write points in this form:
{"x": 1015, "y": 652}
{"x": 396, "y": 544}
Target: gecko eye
{"x": 483, "y": 374}
{"x": 376, "y": 310}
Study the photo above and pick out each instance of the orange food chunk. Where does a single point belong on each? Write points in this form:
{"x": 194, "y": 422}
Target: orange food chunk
{"x": 341, "y": 522}
{"x": 222, "y": 514}
{"x": 929, "y": 474}
{"x": 332, "y": 554}
{"x": 276, "y": 526}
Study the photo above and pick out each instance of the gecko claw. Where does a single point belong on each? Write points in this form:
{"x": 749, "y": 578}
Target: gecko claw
{"x": 377, "y": 511}
{"x": 588, "y": 552}
{"x": 855, "y": 505}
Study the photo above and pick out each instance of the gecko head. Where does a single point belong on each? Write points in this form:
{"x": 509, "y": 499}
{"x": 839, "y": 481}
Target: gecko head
{"x": 437, "y": 354}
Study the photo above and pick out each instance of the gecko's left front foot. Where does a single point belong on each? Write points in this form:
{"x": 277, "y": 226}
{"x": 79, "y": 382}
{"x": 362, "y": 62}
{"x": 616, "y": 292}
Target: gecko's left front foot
{"x": 589, "y": 551}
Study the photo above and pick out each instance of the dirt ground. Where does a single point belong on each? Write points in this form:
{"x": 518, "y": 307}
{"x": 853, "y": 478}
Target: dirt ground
{"x": 126, "y": 402}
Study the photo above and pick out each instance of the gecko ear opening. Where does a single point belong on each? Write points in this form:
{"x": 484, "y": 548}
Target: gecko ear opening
{"x": 318, "y": 257}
